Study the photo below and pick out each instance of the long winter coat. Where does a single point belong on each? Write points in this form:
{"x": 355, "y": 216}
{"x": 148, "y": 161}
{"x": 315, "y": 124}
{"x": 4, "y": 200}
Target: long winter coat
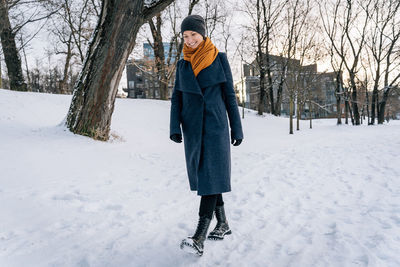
{"x": 200, "y": 105}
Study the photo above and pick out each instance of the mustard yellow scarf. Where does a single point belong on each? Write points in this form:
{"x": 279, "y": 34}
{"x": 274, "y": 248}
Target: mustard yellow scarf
{"x": 202, "y": 56}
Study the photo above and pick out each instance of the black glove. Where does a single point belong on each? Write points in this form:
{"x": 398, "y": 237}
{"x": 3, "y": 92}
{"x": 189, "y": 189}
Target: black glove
{"x": 177, "y": 138}
{"x": 236, "y": 142}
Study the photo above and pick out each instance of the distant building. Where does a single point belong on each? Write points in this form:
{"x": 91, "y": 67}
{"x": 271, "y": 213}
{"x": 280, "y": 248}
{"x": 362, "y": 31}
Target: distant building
{"x": 148, "y": 52}
{"x": 143, "y": 81}
{"x": 142, "y": 77}
{"x": 321, "y": 85}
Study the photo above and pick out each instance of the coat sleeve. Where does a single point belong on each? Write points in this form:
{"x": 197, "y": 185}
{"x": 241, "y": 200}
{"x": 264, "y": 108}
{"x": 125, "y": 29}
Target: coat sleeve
{"x": 230, "y": 100}
{"x": 176, "y": 107}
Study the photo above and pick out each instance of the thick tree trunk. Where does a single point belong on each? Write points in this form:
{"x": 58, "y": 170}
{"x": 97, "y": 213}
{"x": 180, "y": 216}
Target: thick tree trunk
{"x": 382, "y": 105}
{"x": 381, "y": 114}
{"x": 112, "y": 41}
{"x": 10, "y": 51}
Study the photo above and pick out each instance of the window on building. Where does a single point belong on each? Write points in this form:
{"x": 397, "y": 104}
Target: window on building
{"x": 131, "y": 84}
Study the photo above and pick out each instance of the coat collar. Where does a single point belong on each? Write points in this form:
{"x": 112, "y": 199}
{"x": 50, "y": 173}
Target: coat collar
{"x": 213, "y": 74}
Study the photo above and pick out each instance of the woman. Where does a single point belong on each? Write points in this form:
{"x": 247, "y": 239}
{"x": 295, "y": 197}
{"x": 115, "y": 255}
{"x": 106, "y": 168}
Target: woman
{"x": 202, "y": 95}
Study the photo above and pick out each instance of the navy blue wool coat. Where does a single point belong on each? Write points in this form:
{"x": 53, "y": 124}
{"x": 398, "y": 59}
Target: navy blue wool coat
{"x": 200, "y": 105}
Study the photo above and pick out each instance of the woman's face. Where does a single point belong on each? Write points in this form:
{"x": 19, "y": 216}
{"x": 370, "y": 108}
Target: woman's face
{"x": 192, "y": 39}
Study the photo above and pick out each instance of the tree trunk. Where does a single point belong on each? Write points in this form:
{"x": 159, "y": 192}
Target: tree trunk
{"x": 63, "y": 84}
{"x": 310, "y": 110}
{"x": 270, "y": 85}
{"x": 367, "y": 98}
{"x": 356, "y": 114}
{"x": 382, "y": 105}
{"x": 346, "y": 110}
{"x": 350, "y": 113}
{"x": 262, "y": 93}
{"x": 291, "y": 114}
{"x": 279, "y": 94}
{"x": 373, "y": 103}
{"x": 338, "y": 97}
{"x": 159, "y": 55}
{"x": 339, "y": 111}
{"x": 298, "y": 115}
{"x": 29, "y": 85}
{"x": 112, "y": 41}
{"x": 10, "y": 51}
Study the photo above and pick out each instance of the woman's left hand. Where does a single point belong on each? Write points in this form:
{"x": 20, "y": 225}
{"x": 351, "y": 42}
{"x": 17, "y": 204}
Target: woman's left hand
{"x": 236, "y": 142}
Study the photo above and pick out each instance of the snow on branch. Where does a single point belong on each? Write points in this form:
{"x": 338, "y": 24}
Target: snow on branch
{"x": 150, "y": 3}
{"x": 322, "y": 107}
{"x": 152, "y": 7}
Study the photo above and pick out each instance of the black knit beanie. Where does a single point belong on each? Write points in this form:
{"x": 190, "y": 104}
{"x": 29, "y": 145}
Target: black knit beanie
{"x": 194, "y": 23}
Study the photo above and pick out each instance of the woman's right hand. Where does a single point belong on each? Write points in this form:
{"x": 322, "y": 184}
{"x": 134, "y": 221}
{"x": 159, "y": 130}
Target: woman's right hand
{"x": 177, "y": 138}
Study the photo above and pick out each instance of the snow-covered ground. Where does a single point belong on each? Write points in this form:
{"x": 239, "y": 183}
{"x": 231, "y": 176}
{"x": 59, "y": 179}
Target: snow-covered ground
{"x": 327, "y": 196}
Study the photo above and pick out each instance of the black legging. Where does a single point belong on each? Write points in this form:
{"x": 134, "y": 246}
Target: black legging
{"x": 208, "y": 203}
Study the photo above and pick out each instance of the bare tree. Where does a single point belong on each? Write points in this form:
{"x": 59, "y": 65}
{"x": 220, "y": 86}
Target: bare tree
{"x": 8, "y": 34}
{"x": 330, "y": 26}
{"x": 226, "y": 32}
{"x": 213, "y": 15}
{"x": 159, "y": 53}
{"x": 265, "y": 16}
{"x": 71, "y": 27}
{"x": 347, "y": 35}
{"x": 296, "y": 19}
{"x": 112, "y": 41}
{"x": 309, "y": 51}
{"x": 80, "y": 18}
{"x": 11, "y": 55}
{"x": 383, "y": 36}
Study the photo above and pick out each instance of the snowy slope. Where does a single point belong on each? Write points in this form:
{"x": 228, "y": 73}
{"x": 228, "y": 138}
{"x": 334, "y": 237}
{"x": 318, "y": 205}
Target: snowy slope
{"x": 329, "y": 196}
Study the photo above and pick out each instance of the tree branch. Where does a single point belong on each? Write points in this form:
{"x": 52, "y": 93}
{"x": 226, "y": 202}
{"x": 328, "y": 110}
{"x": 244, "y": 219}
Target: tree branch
{"x": 149, "y": 12}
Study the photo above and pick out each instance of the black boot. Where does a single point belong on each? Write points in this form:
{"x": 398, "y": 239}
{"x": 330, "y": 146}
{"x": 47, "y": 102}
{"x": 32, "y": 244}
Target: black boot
{"x": 195, "y": 243}
{"x": 222, "y": 227}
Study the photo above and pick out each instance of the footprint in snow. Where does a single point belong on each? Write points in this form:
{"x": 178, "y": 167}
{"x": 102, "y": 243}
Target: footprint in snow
{"x": 69, "y": 197}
